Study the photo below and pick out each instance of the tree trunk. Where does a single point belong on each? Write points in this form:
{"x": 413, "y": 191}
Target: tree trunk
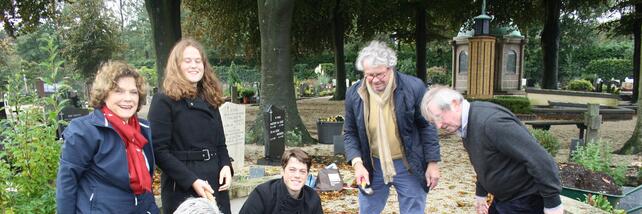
{"x": 420, "y": 42}
{"x": 339, "y": 57}
{"x": 637, "y": 36}
{"x": 551, "y": 43}
{"x": 165, "y": 17}
{"x": 634, "y": 144}
{"x": 277, "y": 84}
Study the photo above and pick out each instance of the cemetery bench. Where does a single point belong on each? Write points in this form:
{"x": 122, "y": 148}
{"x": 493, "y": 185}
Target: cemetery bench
{"x": 546, "y": 124}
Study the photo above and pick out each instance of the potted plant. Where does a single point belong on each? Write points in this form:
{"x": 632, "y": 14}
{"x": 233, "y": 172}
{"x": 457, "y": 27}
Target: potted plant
{"x": 246, "y": 93}
{"x": 328, "y": 127}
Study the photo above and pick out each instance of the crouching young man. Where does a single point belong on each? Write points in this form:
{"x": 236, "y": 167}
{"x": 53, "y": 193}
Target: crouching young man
{"x": 288, "y": 194}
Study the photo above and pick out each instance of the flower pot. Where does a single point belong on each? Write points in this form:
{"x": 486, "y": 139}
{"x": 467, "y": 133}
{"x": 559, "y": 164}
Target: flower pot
{"x": 246, "y": 100}
{"x": 327, "y": 130}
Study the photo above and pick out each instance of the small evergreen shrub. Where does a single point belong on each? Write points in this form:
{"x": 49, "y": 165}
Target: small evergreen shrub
{"x": 547, "y": 140}
{"x": 516, "y": 104}
{"x": 580, "y": 85}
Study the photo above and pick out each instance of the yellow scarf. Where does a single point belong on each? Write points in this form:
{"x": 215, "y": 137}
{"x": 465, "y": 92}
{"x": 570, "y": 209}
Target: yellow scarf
{"x": 384, "y": 136}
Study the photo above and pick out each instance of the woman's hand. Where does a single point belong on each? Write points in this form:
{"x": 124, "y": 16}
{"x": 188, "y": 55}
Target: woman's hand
{"x": 225, "y": 179}
{"x": 201, "y": 186}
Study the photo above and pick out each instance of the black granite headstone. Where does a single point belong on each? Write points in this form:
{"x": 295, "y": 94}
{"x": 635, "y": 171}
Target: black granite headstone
{"x": 3, "y": 113}
{"x": 67, "y": 114}
{"x": 274, "y": 135}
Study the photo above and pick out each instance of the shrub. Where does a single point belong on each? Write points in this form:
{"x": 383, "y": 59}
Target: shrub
{"x": 293, "y": 138}
{"x": 580, "y": 85}
{"x": 611, "y": 68}
{"x": 516, "y": 104}
{"x": 596, "y": 157}
{"x": 246, "y": 92}
{"x": 547, "y": 140}
{"x": 29, "y": 160}
{"x": 439, "y": 75}
{"x": 602, "y": 203}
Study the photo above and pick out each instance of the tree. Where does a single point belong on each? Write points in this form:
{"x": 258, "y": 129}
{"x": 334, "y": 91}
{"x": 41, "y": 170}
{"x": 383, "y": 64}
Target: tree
{"x": 93, "y": 36}
{"x": 629, "y": 23}
{"x": 338, "y": 35}
{"x": 25, "y": 15}
{"x": 634, "y": 144}
{"x": 165, "y": 17}
{"x": 277, "y": 87}
{"x": 551, "y": 43}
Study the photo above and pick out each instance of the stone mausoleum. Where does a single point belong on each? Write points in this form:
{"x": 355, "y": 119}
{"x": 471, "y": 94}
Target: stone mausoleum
{"x": 493, "y": 60}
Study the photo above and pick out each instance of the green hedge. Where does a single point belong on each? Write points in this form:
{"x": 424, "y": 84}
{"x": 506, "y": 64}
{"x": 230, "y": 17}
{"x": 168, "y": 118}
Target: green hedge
{"x": 579, "y": 85}
{"x": 516, "y": 104}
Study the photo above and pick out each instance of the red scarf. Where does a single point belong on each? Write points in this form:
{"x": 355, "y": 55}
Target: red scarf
{"x": 139, "y": 178}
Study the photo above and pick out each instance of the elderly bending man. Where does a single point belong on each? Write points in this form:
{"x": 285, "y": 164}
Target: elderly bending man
{"x": 508, "y": 160}
{"x": 387, "y": 141}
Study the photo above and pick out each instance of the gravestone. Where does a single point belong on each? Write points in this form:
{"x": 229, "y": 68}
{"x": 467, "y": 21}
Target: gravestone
{"x": 256, "y": 172}
{"x": 274, "y": 135}
{"x": 67, "y": 114}
{"x": 233, "y": 117}
{"x": 3, "y": 113}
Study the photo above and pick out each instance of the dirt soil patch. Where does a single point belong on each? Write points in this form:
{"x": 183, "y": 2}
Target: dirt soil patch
{"x": 576, "y": 176}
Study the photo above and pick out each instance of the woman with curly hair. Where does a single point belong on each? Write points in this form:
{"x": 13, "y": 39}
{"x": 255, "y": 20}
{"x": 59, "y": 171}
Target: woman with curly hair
{"x": 107, "y": 160}
{"x": 188, "y": 132}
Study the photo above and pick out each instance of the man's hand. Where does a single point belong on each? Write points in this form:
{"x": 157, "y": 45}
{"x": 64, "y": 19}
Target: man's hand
{"x": 555, "y": 210}
{"x": 200, "y": 186}
{"x": 225, "y": 176}
{"x": 432, "y": 175}
{"x": 481, "y": 205}
{"x": 360, "y": 173}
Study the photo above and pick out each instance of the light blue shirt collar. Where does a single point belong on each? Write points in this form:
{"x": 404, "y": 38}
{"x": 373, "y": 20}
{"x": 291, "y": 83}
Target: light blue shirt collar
{"x": 465, "y": 108}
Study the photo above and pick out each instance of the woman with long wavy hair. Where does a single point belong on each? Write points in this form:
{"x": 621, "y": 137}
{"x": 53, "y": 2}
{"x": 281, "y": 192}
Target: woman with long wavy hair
{"x": 188, "y": 132}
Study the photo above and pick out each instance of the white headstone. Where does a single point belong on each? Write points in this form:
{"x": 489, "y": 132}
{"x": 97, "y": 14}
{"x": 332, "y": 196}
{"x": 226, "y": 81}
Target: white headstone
{"x": 233, "y": 116}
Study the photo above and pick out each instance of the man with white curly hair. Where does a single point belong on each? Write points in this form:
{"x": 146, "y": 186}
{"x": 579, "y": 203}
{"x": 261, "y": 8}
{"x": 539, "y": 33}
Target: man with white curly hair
{"x": 387, "y": 141}
{"x": 509, "y": 162}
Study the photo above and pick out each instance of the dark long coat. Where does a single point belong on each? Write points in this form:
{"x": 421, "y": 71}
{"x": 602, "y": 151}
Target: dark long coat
{"x": 187, "y": 126}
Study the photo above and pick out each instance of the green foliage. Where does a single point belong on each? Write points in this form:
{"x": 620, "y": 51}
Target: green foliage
{"x": 610, "y": 68}
{"x": 596, "y": 157}
{"x": 580, "y": 85}
{"x": 150, "y": 75}
{"x": 516, "y": 104}
{"x": 439, "y": 75}
{"x": 29, "y": 161}
{"x": 304, "y": 71}
{"x": 328, "y": 92}
{"x": 93, "y": 36}
{"x": 547, "y": 140}
{"x": 21, "y": 17}
{"x": 293, "y": 137}
{"x": 601, "y": 202}
{"x": 244, "y": 73}
{"x": 246, "y": 92}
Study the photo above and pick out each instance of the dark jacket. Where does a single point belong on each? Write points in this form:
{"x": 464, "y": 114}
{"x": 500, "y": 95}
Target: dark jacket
{"x": 187, "y": 126}
{"x": 418, "y": 137}
{"x": 508, "y": 160}
{"x": 273, "y": 197}
{"x": 93, "y": 175}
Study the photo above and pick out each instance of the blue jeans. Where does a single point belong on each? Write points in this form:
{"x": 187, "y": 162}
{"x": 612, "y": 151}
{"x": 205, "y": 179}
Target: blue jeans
{"x": 410, "y": 193}
{"x": 531, "y": 204}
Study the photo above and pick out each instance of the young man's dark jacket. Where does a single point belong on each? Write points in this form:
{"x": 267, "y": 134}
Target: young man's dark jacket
{"x": 509, "y": 162}
{"x": 418, "y": 137}
{"x": 273, "y": 197}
